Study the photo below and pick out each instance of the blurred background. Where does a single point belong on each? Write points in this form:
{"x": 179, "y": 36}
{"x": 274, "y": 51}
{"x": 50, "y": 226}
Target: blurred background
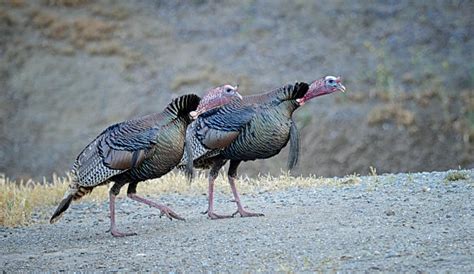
{"x": 70, "y": 68}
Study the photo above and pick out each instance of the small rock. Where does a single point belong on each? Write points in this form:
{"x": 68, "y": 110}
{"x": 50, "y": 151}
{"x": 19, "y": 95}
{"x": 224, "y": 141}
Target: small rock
{"x": 389, "y": 212}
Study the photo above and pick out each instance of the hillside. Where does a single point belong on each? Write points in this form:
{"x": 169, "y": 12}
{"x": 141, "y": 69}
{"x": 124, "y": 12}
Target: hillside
{"x": 69, "y": 68}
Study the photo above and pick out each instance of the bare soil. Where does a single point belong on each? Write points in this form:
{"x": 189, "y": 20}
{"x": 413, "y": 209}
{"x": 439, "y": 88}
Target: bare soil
{"x": 402, "y": 222}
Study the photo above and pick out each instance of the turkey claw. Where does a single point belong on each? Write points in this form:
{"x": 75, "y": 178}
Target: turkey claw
{"x": 117, "y": 233}
{"x": 244, "y": 213}
{"x": 214, "y": 216}
{"x": 170, "y": 214}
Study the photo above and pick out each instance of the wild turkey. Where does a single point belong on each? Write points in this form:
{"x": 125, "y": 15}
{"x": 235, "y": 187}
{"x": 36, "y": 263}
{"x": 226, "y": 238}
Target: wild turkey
{"x": 257, "y": 128}
{"x": 137, "y": 150}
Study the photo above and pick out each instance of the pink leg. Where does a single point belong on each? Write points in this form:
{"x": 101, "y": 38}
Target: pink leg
{"x": 210, "y": 209}
{"x": 240, "y": 208}
{"x": 113, "y": 229}
{"x": 165, "y": 211}
{"x": 232, "y": 174}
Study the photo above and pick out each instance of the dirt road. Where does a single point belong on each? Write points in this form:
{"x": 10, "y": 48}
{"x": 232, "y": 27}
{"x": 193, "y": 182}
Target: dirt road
{"x": 405, "y": 222}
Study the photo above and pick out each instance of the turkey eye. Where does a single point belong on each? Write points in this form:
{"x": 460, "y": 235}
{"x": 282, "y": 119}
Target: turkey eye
{"x": 331, "y": 81}
{"x": 228, "y": 90}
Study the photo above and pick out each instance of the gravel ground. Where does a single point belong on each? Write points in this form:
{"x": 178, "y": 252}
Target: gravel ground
{"x": 403, "y": 222}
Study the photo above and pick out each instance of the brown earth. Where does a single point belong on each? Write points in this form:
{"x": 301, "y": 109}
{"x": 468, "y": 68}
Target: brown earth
{"x": 70, "y": 68}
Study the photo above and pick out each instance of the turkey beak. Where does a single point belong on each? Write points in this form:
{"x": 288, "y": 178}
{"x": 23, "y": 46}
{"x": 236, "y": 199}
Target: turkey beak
{"x": 341, "y": 87}
{"x": 237, "y": 92}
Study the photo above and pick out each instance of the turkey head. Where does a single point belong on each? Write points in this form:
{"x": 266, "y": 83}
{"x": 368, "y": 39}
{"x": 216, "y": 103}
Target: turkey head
{"x": 216, "y": 97}
{"x": 323, "y": 86}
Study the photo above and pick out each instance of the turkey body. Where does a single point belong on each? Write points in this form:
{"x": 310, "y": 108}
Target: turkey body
{"x": 258, "y": 128}
{"x": 265, "y": 135}
{"x": 165, "y": 154}
{"x": 131, "y": 152}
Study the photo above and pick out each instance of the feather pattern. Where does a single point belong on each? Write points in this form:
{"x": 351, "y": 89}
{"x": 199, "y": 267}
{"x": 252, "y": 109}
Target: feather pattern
{"x": 257, "y": 129}
{"x": 294, "y": 153}
{"x": 131, "y": 146}
{"x": 287, "y": 92}
{"x": 270, "y": 130}
{"x": 215, "y": 130}
{"x": 131, "y": 151}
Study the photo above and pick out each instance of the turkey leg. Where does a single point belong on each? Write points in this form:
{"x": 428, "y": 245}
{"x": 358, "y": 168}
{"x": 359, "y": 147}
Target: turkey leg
{"x": 232, "y": 174}
{"x": 213, "y": 173}
{"x": 165, "y": 211}
{"x": 113, "y": 229}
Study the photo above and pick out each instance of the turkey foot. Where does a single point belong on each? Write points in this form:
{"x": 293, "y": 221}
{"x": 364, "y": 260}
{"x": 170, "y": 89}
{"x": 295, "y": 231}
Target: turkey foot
{"x": 213, "y": 216}
{"x": 117, "y": 233}
{"x": 165, "y": 211}
{"x": 244, "y": 213}
{"x": 168, "y": 212}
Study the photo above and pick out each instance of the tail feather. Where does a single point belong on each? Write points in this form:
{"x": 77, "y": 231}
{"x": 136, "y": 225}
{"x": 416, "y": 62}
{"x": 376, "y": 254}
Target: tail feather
{"x": 299, "y": 90}
{"x": 289, "y": 92}
{"x": 182, "y": 105}
{"x": 74, "y": 193}
{"x": 61, "y": 208}
{"x": 293, "y": 155}
{"x": 189, "y": 171}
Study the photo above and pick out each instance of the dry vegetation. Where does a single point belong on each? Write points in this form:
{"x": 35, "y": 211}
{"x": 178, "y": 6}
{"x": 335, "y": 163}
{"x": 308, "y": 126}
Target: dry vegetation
{"x": 65, "y": 3}
{"x": 114, "y": 13}
{"x": 213, "y": 76}
{"x": 15, "y": 3}
{"x": 6, "y": 19}
{"x": 456, "y": 175}
{"x": 95, "y": 36}
{"x": 392, "y": 112}
{"x": 400, "y": 77}
{"x": 20, "y": 200}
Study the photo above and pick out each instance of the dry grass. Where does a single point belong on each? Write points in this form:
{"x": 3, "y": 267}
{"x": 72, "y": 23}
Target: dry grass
{"x": 50, "y": 25}
{"x": 133, "y": 58}
{"x": 79, "y": 32}
{"x": 107, "y": 49}
{"x": 65, "y": 3}
{"x": 58, "y": 30}
{"x": 42, "y": 19}
{"x": 391, "y": 112}
{"x": 63, "y": 50}
{"x": 6, "y": 20}
{"x": 213, "y": 76}
{"x": 20, "y": 200}
{"x": 89, "y": 29}
{"x": 15, "y": 3}
{"x": 426, "y": 97}
{"x": 114, "y": 12}
{"x": 456, "y": 175}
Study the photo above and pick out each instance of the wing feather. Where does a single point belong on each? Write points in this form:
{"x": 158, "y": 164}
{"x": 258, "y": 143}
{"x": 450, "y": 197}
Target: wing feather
{"x": 117, "y": 149}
